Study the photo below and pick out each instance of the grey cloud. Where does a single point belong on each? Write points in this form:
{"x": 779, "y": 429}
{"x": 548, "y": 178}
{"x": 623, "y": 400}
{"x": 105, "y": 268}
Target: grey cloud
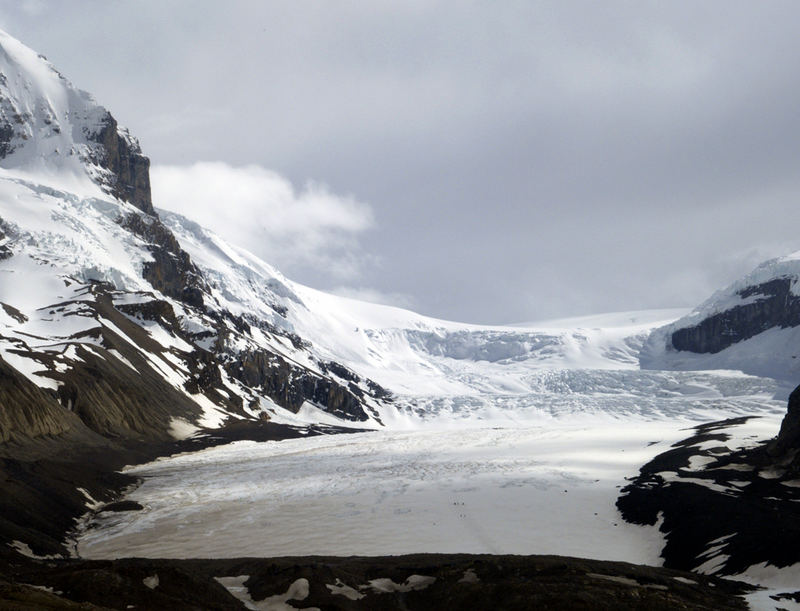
{"x": 522, "y": 160}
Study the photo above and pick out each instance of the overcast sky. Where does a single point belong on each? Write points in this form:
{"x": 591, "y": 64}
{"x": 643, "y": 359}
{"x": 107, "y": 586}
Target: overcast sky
{"x": 479, "y": 161}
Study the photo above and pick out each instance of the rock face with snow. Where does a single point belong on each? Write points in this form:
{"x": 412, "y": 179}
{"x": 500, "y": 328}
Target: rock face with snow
{"x": 774, "y": 306}
{"x": 46, "y": 123}
{"x": 752, "y": 325}
{"x": 726, "y": 502}
{"x": 121, "y": 155}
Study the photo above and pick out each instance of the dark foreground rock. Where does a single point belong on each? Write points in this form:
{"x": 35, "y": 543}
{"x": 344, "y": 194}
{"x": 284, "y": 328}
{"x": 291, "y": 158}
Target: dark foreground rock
{"x": 724, "y": 507}
{"x": 784, "y": 449}
{"x": 726, "y": 501}
{"x": 428, "y": 581}
{"x": 723, "y": 510}
{"x": 49, "y": 484}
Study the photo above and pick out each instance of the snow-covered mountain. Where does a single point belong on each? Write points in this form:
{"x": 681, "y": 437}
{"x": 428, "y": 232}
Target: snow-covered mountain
{"x": 753, "y": 325}
{"x": 107, "y": 322}
{"x": 52, "y": 132}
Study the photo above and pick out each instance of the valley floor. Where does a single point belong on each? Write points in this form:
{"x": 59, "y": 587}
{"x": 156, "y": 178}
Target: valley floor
{"x": 546, "y": 489}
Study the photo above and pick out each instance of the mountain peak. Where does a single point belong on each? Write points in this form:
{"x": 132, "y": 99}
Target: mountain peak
{"x": 48, "y": 125}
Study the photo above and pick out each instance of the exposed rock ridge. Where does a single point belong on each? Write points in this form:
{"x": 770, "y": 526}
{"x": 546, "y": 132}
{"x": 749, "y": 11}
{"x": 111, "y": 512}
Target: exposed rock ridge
{"x": 290, "y": 386}
{"x": 723, "y": 507}
{"x": 27, "y": 410}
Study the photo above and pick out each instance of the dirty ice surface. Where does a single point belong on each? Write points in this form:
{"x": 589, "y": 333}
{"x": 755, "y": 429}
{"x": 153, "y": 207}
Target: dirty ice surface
{"x": 542, "y": 488}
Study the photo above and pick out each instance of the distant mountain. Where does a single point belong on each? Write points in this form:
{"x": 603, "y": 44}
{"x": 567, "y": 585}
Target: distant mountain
{"x": 124, "y": 321}
{"x": 753, "y": 325}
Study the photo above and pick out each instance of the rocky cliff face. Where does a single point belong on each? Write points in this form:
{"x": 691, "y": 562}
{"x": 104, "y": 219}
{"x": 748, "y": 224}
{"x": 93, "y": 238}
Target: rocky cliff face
{"x": 47, "y": 123}
{"x": 128, "y": 176}
{"x": 290, "y": 387}
{"x": 171, "y": 271}
{"x": 770, "y": 304}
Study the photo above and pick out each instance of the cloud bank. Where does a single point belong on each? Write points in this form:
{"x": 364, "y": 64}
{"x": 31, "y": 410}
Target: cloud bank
{"x": 308, "y": 230}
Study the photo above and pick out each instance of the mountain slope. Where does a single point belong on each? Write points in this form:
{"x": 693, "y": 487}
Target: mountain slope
{"x": 104, "y": 315}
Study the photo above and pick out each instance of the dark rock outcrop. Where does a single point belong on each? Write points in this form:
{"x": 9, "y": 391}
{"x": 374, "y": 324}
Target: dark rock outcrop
{"x": 6, "y": 135}
{"x": 27, "y": 411}
{"x": 11, "y": 122}
{"x": 290, "y": 386}
{"x": 775, "y": 306}
{"x": 171, "y": 271}
{"x": 157, "y": 310}
{"x": 440, "y": 581}
{"x": 108, "y": 388}
{"x": 5, "y": 238}
{"x": 723, "y": 507}
{"x": 788, "y": 439}
{"x": 129, "y": 169}
{"x": 118, "y": 402}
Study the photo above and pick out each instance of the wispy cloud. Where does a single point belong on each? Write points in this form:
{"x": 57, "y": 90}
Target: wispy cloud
{"x": 262, "y": 211}
{"x": 400, "y": 300}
